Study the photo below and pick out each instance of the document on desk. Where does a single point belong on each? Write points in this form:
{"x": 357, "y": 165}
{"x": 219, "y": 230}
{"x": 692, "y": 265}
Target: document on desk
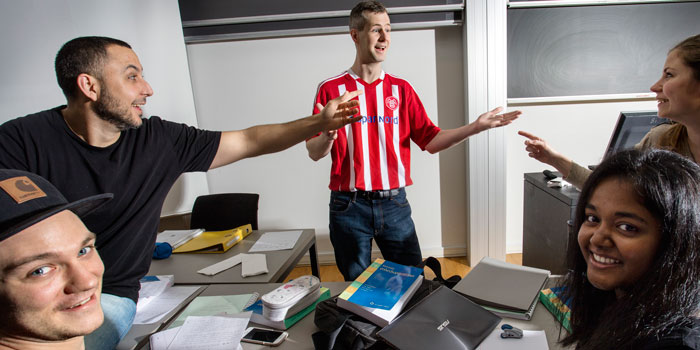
{"x": 531, "y": 340}
{"x": 163, "y": 304}
{"x": 276, "y": 241}
{"x": 210, "y": 333}
{"x": 166, "y": 339}
{"x": 221, "y": 265}
{"x": 217, "y": 305}
{"x": 152, "y": 287}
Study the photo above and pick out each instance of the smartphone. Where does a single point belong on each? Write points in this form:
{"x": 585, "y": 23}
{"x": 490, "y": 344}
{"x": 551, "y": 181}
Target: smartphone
{"x": 264, "y": 336}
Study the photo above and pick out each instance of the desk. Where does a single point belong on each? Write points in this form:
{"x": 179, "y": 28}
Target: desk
{"x": 279, "y": 263}
{"x": 300, "y": 333}
{"x": 545, "y": 231}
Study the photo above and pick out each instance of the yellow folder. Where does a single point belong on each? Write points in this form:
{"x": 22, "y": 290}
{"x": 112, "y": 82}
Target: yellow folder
{"x": 215, "y": 241}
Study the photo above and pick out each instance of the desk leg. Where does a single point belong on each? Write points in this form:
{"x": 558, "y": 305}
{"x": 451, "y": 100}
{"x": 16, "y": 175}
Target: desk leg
{"x": 314, "y": 261}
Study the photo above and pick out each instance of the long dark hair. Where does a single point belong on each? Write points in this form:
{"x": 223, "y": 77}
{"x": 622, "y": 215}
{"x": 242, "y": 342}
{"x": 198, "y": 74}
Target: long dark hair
{"x": 668, "y": 294}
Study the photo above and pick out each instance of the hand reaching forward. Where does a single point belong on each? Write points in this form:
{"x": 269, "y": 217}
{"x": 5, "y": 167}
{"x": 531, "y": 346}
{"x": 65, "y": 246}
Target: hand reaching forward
{"x": 491, "y": 119}
{"x": 539, "y": 149}
{"x": 340, "y": 111}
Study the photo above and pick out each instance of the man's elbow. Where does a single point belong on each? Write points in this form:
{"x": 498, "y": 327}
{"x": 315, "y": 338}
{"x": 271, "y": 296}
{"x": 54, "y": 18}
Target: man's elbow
{"x": 314, "y": 157}
{"x": 432, "y": 148}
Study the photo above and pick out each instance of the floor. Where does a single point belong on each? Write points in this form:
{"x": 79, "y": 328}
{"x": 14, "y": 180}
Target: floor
{"x": 450, "y": 266}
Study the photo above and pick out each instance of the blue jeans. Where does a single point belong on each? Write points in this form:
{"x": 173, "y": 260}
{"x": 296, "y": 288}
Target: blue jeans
{"x": 355, "y": 221}
{"x": 119, "y": 314}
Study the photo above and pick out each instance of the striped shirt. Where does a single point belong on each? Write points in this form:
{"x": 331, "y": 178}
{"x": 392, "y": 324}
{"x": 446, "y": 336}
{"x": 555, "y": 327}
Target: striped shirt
{"x": 374, "y": 153}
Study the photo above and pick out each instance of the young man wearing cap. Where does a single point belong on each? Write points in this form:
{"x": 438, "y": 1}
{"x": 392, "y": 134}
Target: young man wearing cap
{"x": 371, "y": 158}
{"x": 99, "y": 142}
{"x": 50, "y": 272}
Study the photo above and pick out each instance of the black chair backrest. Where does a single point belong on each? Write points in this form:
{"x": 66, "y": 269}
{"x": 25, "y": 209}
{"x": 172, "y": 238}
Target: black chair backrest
{"x": 224, "y": 211}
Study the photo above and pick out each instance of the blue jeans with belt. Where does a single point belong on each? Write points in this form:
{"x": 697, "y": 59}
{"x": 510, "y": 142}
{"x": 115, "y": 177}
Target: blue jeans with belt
{"x": 356, "y": 218}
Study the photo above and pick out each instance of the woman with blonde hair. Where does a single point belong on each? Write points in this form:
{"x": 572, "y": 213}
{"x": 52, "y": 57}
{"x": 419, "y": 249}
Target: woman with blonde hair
{"x": 678, "y": 96}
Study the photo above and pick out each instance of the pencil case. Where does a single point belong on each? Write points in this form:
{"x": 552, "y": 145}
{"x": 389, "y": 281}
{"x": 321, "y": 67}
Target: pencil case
{"x": 290, "y": 297}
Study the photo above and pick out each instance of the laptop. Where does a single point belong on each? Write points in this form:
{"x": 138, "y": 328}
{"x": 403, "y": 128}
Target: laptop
{"x": 442, "y": 320}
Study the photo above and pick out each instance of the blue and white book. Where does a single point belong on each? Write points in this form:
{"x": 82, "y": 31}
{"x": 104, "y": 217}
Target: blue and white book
{"x": 381, "y": 291}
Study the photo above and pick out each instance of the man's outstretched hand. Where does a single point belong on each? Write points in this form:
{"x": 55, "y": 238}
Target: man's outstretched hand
{"x": 340, "y": 111}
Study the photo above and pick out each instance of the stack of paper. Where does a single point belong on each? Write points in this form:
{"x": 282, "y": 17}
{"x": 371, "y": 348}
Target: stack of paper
{"x": 203, "y": 332}
{"x": 162, "y": 304}
{"x": 152, "y": 287}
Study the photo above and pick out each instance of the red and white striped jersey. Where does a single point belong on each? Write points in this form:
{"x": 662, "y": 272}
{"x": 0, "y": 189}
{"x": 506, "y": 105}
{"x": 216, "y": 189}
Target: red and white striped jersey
{"x": 374, "y": 153}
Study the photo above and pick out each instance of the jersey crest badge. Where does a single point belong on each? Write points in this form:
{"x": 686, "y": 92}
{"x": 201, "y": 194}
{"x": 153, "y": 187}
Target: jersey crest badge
{"x": 391, "y": 102}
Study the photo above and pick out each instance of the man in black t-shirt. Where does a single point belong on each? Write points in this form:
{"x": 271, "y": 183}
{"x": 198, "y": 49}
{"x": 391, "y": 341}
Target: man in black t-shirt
{"x": 100, "y": 143}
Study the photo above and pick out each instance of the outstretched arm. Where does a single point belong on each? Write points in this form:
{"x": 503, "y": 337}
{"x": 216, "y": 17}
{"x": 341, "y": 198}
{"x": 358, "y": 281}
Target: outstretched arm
{"x": 320, "y": 146}
{"x": 450, "y": 137}
{"x": 262, "y": 139}
{"x": 539, "y": 149}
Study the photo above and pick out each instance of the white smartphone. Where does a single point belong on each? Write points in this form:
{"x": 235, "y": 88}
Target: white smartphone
{"x": 264, "y": 336}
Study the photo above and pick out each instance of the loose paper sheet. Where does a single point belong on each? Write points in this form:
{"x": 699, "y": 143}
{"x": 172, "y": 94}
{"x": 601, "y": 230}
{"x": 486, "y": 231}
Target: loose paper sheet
{"x": 163, "y": 340}
{"x": 270, "y": 241}
{"x": 221, "y": 266}
{"x": 152, "y": 289}
{"x": 219, "y": 305}
{"x": 163, "y": 304}
{"x": 210, "y": 333}
{"x": 253, "y": 264}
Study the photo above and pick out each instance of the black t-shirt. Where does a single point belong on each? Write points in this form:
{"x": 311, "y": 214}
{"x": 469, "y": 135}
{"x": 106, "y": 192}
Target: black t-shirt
{"x": 139, "y": 169}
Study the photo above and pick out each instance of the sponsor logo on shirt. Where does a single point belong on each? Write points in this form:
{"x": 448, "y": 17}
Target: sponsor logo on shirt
{"x": 379, "y": 119}
{"x": 391, "y": 102}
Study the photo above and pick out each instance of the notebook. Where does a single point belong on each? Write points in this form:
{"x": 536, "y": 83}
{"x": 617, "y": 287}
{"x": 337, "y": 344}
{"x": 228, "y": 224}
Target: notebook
{"x": 442, "y": 320}
{"x": 506, "y": 289}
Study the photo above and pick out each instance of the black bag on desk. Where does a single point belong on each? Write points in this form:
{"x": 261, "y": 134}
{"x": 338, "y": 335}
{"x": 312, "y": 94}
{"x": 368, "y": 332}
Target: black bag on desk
{"x": 343, "y": 330}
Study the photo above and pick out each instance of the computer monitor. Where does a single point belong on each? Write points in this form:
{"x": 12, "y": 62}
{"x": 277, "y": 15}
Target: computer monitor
{"x": 631, "y": 128}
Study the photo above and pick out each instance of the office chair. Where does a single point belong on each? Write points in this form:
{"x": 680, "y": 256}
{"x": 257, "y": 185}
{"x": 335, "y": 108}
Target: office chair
{"x": 224, "y": 211}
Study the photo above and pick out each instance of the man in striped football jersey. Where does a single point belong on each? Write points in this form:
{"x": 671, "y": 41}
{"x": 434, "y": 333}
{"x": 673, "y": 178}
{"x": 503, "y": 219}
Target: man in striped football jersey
{"x": 371, "y": 158}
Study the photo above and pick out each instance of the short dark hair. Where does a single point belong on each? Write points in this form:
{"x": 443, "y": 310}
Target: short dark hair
{"x": 668, "y": 294}
{"x": 357, "y": 18}
{"x": 82, "y": 55}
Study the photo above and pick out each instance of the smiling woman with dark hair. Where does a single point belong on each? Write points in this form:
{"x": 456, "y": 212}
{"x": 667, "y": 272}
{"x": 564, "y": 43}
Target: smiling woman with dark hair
{"x": 634, "y": 262}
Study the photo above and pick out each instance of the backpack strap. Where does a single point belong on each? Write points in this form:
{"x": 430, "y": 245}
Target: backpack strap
{"x": 434, "y": 265}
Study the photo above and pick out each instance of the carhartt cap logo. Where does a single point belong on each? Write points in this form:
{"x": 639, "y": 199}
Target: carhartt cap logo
{"x": 21, "y": 189}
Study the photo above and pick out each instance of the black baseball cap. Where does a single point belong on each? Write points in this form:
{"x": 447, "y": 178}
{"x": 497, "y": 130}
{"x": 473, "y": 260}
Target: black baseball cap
{"x": 27, "y": 198}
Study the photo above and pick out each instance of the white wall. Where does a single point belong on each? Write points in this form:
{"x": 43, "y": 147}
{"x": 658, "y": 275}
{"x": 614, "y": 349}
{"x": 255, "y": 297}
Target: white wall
{"x": 581, "y": 131}
{"x": 238, "y": 84}
{"x": 224, "y": 75}
{"x": 32, "y": 31}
